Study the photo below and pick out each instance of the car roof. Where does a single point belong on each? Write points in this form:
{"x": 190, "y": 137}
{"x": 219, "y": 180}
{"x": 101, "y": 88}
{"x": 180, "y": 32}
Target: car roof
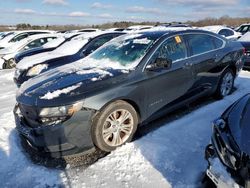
{"x": 168, "y": 30}
{"x": 33, "y": 37}
{"x": 95, "y": 34}
{"x": 215, "y": 28}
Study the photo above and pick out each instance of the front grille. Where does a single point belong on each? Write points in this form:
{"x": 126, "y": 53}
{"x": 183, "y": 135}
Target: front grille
{"x": 224, "y": 150}
{"x": 30, "y": 115}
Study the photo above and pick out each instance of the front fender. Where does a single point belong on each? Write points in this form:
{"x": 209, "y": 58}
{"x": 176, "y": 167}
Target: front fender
{"x": 130, "y": 94}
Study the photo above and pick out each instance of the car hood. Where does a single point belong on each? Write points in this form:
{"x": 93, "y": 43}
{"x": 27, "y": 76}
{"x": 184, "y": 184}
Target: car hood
{"x": 67, "y": 83}
{"x": 30, "y": 61}
{"x": 239, "y": 123}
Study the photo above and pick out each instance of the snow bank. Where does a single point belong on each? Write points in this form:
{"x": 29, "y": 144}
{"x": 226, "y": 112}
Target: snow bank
{"x": 171, "y": 152}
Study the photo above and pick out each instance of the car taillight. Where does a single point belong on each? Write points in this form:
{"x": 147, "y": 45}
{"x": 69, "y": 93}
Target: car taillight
{"x": 244, "y": 51}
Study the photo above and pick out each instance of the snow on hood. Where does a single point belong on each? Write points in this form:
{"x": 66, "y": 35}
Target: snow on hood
{"x": 69, "y": 48}
{"x": 54, "y": 43}
{"x": 66, "y": 79}
{"x": 245, "y": 37}
{"x": 57, "y": 93}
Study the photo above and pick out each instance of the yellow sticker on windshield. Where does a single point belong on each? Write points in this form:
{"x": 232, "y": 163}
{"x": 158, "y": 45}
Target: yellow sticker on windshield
{"x": 177, "y": 39}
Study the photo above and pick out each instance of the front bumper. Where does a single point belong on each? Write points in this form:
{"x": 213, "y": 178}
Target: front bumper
{"x": 68, "y": 138}
{"x": 217, "y": 172}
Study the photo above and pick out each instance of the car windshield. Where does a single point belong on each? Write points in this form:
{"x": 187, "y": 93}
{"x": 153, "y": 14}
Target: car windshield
{"x": 245, "y": 37}
{"x": 124, "y": 52}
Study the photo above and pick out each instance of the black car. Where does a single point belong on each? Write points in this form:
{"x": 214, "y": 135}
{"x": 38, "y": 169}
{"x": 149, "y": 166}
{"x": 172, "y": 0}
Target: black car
{"x": 230, "y": 142}
{"x": 60, "y": 41}
{"x": 246, "y": 59}
{"x": 36, "y": 65}
{"x": 245, "y": 41}
{"x": 133, "y": 79}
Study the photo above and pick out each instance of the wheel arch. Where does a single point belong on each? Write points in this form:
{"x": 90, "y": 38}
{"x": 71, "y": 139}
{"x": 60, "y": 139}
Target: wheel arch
{"x": 129, "y": 101}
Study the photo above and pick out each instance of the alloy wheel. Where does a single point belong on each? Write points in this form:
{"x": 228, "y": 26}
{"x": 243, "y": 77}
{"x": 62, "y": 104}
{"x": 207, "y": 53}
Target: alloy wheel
{"x": 118, "y": 127}
{"x": 227, "y": 84}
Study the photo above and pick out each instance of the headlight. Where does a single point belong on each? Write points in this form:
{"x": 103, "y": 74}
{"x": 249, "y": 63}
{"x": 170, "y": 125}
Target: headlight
{"x": 54, "y": 115}
{"x": 37, "y": 69}
{"x": 68, "y": 110}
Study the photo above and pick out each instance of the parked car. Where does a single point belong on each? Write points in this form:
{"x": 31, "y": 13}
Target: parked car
{"x": 115, "y": 29}
{"x": 7, "y": 55}
{"x": 245, "y": 41}
{"x": 70, "y": 51}
{"x": 99, "y": 101}
{"x": 49, "y": 46}
{"x": 138, "y": 27}
{"x": 230, "y": 143}
{"x": 244, "y": 28}
{"x": 174, "y": 25}
{"x": 88, "y": 30}
{"x": 223, "y": 31}
{"x": 17, "y": 36}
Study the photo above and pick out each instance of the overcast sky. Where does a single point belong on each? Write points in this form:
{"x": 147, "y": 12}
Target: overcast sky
{"x": 85, "y": 12}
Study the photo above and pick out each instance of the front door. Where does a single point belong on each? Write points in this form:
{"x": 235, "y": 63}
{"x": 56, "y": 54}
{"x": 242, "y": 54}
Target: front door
{"x": 163, "y": 86}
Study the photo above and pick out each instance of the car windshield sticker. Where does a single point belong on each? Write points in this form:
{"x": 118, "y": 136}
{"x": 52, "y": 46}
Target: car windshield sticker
{"x": 177, "y": 39}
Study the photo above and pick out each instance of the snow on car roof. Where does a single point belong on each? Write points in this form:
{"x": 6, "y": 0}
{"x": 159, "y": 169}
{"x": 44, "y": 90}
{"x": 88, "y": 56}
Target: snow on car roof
{"x": 245, "y": 37}
{"x": 17, "y": 45}
{"x": 139, "y": 26}
{"x": 214, "y": 28}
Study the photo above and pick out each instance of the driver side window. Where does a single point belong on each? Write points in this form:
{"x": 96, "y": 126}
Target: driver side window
{"x": 173, "y": 48}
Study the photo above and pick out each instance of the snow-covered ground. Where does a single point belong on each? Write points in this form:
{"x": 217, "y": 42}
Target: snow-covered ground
{"x": 171, "y": 155}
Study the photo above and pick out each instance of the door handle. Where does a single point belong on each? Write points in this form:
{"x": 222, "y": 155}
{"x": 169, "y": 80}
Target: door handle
{"x": 188, "y": 65}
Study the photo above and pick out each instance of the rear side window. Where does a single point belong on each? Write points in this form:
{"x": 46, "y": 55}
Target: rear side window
{"x": 38, "y": 42}
{"x": 173, "y": 48}
{"x": 243, "y": 28}
{"x": 202, "y": 43}
{"x": 218, "y": 43}
{"x": 226, "y": 32}
{"x": 19, "y": 37}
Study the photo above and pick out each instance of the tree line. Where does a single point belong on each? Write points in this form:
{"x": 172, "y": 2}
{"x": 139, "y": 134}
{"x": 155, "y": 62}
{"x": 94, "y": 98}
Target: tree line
{"x": 224, "y": 20}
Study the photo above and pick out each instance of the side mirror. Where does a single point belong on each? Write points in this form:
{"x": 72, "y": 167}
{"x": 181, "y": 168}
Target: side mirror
{"x": 26, "y": 48}
{"x": 83, "y": 53}
{"x": 160, "y": 63}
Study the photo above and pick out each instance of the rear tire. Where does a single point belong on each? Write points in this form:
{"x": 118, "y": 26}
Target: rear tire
{"x": 226, "y": 84}
{"x": 114, "y": 126}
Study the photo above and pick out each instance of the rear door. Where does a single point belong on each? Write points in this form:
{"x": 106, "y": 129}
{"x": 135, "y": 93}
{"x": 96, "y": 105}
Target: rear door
{"x": 165, "y": 85}
{"x": 206, "y": 52}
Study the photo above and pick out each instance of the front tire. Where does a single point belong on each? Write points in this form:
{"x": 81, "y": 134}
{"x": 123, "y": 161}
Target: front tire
{"x": 9, "y": 64}
{"x": 226, "y": 84}
{"x": 114, "y": 126}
